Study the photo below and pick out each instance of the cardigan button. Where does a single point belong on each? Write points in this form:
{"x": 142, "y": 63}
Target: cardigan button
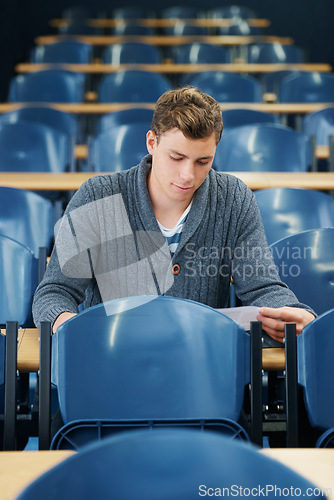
{"x": 176, "y": 269}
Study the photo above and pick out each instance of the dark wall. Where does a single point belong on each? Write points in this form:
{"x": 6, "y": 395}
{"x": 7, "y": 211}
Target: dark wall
{"x": 309, "y": 22}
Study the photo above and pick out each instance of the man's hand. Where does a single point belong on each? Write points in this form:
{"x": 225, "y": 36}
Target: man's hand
{"x": 61, "y": 319}
{"x": 274, "y": 319}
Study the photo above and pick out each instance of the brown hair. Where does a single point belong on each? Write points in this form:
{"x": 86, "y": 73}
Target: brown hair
{"x": 195, "y": 113}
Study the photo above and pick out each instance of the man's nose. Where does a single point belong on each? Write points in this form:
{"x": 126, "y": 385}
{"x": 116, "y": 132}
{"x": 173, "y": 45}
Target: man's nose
{"x": 187, "y": 171}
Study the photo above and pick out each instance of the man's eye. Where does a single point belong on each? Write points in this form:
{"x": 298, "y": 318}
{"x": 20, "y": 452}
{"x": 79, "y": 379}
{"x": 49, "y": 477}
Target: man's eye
{"x": 203, "y": 163}
{"x": 176, "y": 159}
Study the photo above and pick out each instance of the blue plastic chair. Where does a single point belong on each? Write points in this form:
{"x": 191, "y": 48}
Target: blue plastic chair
{"x": 270, "y": 81}
{"x": 307, "y": 87}
{"x": 79, "y": 27}
{"x": 287, "y": 211}
{"x": 320, "y": 124}
{"x": 200, "y": 53}
{"x": 178, "y": 464}
{"x": 315, "y": 348}
{"x": 274, "y": 53}
{"x": 305, "y": 262}
{"x": 258, "y": 148}
{"x": 132, "y": 86}
{"x": 65, "y": 123}
{"x": 48, "y": 86}
{"x": 33, "y": 147}
{"x": 165, "y": 354}
{"x": 228, "y": 87}
{"x": 109, "y": 151}
{"x": 18, "y": 281}
{"x": 124, "y": 117}
{"x": 232, "y": 11}
{"x": 130, "y": 28}
{"x": 237, "y": 117}
{"x": 26, "y": 217}
{"x": 69, "y": 52}
{"x": 131, "y": 53}
{"x": 182, "y": 28}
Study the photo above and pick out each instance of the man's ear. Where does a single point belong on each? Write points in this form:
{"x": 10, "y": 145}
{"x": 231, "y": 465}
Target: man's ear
{"x": 151, "y": 141}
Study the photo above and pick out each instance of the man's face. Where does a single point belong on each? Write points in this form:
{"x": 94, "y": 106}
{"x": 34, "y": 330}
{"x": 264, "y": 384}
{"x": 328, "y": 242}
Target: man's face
{"x": 179, "y": 165}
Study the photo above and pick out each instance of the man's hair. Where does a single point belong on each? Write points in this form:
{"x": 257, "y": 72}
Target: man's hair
{"x": 195, "y": 113}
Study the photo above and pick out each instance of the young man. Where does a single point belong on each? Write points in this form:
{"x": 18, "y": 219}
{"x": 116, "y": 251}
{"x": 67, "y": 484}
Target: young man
{"x": 112, "y": 240}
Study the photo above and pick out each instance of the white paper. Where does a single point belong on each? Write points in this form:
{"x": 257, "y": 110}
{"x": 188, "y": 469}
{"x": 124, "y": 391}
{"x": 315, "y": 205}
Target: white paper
{"x": 242, "y": 315}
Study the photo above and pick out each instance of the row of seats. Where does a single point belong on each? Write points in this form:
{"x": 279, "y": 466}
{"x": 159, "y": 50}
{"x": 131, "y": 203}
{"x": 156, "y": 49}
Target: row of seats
{"x": 137, "y": 86}
{"x": 136, "y": 52}
{"x": 43, "y": 139}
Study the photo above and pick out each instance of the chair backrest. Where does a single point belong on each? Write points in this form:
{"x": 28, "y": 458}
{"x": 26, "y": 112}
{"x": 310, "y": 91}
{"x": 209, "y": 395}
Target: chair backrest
{"x": 131, "y": 53}
{"x": 18, "y": 281}
{"x": 305, "y": 262}
{"x": 315, "y": 348}
{"x": 167, "y": 464}
{"x": 307, "y": 87}
{"x": 258, "y": 148}
{"x": 26, "y": 217}
{"x": 270, "y": 81}
{"x": 33, "y": 147}
{"x": 109, "y": 151}
{"x": 238, "y": 117}
{"x": 69, "y": 52}
{"x": 132, "y": 86}
{"x": 182, "y": 28}
{"x": 200, "y": 53}
{"x": 272, "y": 53}
{"x": 124, "y": 117}
{"x": 132, "y": 28}
{"x": 48, "y": 86}
{"x": 60, "y": 120}
{"x": 320, "y": 124}
{"x": 79, "y": 27}
{"x": 155, "y": 357}
{"x": 228, "y": 87}
{"x": 287, "y": 211}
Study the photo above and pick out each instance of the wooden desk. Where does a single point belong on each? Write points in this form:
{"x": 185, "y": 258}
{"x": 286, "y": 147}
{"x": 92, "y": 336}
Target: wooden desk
{"x": 162, "y": 23}
{"x": 71, "y": 181}
{"x": 164, "y": 40}
{"x": 18, "y": 469}
{"x": 28, "y": 348}
{"x": 316, "y": 465}
{"x": 98, "y": 108}
{"x": 169, "y": 68}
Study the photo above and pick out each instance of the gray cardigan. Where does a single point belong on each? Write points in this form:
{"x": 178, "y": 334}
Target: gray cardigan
{"x": 109, "y": 245}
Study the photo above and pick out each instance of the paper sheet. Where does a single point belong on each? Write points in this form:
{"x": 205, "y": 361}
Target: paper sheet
{"x": 242, "y": 315}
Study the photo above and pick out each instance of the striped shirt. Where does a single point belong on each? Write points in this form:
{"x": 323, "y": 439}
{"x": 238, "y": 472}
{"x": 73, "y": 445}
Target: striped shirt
{"x": 173, "y": 235}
